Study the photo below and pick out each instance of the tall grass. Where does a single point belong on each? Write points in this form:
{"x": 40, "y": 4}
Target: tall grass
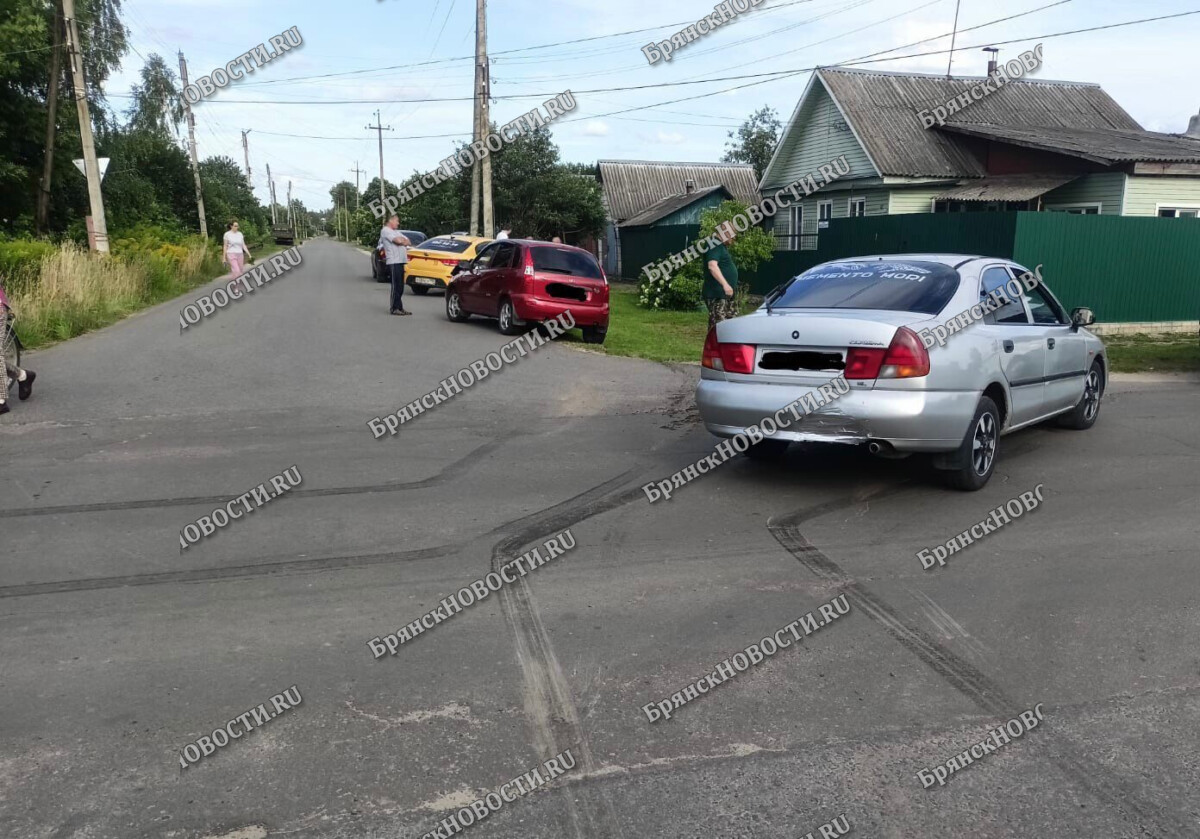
{"x": 70, "y": 291}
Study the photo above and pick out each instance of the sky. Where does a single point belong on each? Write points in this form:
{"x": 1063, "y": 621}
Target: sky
{"x": 387, "y": 54}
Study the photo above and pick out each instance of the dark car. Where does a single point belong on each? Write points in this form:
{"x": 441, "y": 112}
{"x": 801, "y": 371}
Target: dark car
{"x": 379, "y": 267}
{"x": 522, "y": 282}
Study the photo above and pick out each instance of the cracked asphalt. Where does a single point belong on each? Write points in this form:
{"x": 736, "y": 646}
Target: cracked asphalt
{"x": 117, "y": 649}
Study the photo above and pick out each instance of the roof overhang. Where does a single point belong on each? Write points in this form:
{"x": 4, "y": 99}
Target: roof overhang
{"x": 1005, "y": 187}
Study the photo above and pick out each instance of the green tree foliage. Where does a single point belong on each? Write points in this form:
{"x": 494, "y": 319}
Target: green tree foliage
{"x": 228, "y": 197}
{"x": 755, "y": 141}
{"x": 157, "y": 107}
{"x": 683, "y": 289}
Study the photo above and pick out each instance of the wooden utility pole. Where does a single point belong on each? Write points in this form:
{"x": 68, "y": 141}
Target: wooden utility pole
{"x": 191, "y": 121}
{"x": 291, "y": 217}
{"x": 90, "y": 166}
{"x": 43, "y": 202}
{"x": 357, "y": 193}
{"x": 345, "y": 214}
{"x": 380, "y": 128}
{"x": 953, "y": 38}
{"x": 246, "y": 152}
{"x": 485, "y": 165}
{"x": 271, "y": 190}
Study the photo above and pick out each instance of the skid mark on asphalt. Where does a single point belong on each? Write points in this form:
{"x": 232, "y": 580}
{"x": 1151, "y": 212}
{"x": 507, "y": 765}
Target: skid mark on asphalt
{"x": 236, "y": 572}
{"x": 549, "y": 705}
{"x": 1151, "y": 818}
{"x": 450, "y": 472}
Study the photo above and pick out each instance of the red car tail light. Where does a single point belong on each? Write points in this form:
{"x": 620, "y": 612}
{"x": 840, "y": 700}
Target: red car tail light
{"x": 905, "y": 358}
{"x": 528, "y": 262}
{"x": 731, "y": 358}
{"x": 450, "y": 262}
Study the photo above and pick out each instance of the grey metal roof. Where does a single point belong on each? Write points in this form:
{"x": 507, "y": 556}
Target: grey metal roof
{"x": 631, "y": 186}
{"x": 1102, "y": 145}
{"x": 882, "y": 108}
{"x": 669, "y": 205}
{"x": 1006, "y": 187}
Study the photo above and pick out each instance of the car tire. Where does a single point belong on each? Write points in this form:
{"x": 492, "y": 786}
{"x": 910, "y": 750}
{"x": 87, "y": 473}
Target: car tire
{"x": 1084, "y": 415}
{"x": 594, "y": 334}
{"x": 979, "y": 449}
{"x": 508, "y": 319}
{"x": 381, "y": 275}
{"x": 767, "y": 449}
{"x": 454, "y": 310}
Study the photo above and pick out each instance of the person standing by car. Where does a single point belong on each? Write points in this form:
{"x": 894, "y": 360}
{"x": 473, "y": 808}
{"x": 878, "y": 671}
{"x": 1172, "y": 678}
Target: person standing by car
{"x": 720, "y": 278}
{"x": 8, "y": 358}
{"x": 234, "y": 251}
{"x": 503, "y": 234}
{"x": 395, "y": 251}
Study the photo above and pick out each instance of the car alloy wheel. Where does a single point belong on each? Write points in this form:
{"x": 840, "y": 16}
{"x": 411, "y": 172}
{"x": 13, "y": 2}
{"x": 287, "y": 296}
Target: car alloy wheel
{"x": 983, "y": 444}
{"x": 508, "y": 319}
{"x": 1091, "y": 395}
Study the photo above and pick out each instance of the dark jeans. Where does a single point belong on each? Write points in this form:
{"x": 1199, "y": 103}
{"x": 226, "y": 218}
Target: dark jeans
{"x": 396, "y": 273}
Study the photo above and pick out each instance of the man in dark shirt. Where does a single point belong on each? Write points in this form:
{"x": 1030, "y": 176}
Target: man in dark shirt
{"x": 720, "y": 278}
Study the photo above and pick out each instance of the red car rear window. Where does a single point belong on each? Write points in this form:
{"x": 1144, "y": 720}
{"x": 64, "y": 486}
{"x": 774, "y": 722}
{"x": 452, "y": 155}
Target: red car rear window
{"x": 562, "y": 261}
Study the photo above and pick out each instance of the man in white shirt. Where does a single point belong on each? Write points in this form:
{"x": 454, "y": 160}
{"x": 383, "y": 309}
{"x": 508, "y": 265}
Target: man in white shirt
{"x": 395, "y": 251}
{"x": 503, "y": 234}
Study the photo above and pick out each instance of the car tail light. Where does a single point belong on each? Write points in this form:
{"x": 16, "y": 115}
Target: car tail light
{"x": 528, "y": 262}
{"x": 905, "y": 358}
{"x": 731, "y": 358}
{"x": 450, "y": 262}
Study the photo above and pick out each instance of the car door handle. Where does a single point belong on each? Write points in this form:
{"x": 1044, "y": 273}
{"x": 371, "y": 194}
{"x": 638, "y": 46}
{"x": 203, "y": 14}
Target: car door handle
{"x": 1050, "y": 343}
{"x": 1008, "y": 346}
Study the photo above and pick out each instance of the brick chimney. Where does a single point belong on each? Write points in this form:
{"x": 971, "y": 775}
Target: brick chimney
{"x": 1193, "y": 128}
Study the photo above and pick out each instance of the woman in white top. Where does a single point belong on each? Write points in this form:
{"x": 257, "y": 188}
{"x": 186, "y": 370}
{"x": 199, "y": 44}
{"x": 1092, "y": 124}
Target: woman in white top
{"x": 234, "y": 252}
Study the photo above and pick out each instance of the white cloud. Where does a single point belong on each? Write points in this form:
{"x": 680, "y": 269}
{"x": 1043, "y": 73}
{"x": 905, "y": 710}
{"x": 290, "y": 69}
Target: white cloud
{"x": 595, "y": 128}
{"x": 669, "y": 138}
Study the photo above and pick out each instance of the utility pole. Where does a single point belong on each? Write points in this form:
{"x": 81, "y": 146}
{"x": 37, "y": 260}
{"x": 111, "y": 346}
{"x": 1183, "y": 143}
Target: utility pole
{"x": 380, "y": 128}
{"x": 191, "y": 121}
{"x": 90, "y": 166}
{"x": 345, "y": 214}
{"x": 291, "y": 218}
{"x": 953, "y": 38}
{"x": 271, "y": 190}
{"x": 357, "y": 194}
{"x": 43, "y": 203}
{"x": 246, "y": 152}
{"x": 484, "y": 165}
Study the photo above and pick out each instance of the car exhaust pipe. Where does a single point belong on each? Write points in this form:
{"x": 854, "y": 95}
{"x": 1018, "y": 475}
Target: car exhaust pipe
{"x": 881, "y": 448}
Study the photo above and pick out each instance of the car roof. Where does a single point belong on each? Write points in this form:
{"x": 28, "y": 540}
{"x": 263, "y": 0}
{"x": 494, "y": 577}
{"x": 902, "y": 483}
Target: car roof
{"x": 541, "y": 243}
{"x": 951, "y": 259}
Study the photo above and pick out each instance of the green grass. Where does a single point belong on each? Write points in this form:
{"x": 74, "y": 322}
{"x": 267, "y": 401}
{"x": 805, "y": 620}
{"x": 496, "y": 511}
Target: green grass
{"x": 642, "y": 333}
{"x": 1172, "y": 353}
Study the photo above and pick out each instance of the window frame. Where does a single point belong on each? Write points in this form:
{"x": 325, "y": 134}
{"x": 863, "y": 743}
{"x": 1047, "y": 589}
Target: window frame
{"x": 821, "y": 205}
{"x": 490, "y": 246}
{"x": 1176, "y": 207}
{"x": 990, "y": 317}
{"x": 851, "y": 201}
{"x": 1082, "y": 206}
{"x": 795, "y": 226}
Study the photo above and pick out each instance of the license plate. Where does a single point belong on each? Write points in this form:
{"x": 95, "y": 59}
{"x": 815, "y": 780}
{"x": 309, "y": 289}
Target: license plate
{"x": 422, "y": 281}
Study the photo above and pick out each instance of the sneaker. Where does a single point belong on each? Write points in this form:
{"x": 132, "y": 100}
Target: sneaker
{"x": 25, "y": 388}
{"x": 4, "y": 409}
{"x": 404, "y": 312}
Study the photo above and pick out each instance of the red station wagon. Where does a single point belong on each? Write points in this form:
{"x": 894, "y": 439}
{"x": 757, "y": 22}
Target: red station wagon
{"x": 521, "y": 282}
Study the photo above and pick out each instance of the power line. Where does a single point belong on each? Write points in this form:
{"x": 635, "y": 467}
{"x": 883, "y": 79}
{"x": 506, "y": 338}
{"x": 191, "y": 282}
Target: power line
{"x": 776, "y": 73}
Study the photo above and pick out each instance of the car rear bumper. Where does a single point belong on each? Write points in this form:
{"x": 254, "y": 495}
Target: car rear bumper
{"x": 908, "y": 420}
{"x": 422, "y": 280}
{"x": 531, "y": 308}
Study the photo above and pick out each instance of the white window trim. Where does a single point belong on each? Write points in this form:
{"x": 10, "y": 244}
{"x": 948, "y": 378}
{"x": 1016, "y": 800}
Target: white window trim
{"x": 1086, "y": 205}
{"x": 795, "y": 225}
{"x": 851, "y": 201}
{"x": 827, "y": 203}
{"x": 1167, "y": 205}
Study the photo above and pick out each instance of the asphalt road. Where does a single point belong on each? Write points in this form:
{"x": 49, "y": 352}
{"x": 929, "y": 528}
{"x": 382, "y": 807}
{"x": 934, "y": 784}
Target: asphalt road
{"x": 117, "y": 649}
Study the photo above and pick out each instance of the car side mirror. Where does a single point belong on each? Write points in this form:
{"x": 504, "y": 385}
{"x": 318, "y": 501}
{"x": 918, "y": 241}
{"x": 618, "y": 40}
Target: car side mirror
{"x": 1082, "y": 317}
{"x": 460, "y": 268}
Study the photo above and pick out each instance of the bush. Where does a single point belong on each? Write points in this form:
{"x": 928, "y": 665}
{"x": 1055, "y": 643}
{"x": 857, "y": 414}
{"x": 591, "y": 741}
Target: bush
{"x": 683, "y": 289}
{"x": 20, "y": 261}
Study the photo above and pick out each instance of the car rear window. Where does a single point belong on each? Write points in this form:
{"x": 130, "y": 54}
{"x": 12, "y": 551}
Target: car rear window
{"x": 896, "y": 286}
{"x": 444, "y": 244}
{"x": 563, "y": 261}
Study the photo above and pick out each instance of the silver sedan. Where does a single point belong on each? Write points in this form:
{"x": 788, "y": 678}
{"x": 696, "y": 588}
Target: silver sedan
{"x": 940, "y": 353}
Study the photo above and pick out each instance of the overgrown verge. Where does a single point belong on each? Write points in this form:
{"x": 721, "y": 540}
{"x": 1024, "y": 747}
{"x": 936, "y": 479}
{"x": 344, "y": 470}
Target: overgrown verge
{"x": 61, "y": 291}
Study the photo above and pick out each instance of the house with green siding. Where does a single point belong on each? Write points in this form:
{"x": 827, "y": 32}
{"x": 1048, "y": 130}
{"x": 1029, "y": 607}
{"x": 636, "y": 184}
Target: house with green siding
{"x": 1030, "y": 145}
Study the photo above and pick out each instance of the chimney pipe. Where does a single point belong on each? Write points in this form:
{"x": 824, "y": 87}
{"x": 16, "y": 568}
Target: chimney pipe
{"x": 992, "y": 64}
{"x": 1193, "y": 128}
{"x": 689, "y": 186}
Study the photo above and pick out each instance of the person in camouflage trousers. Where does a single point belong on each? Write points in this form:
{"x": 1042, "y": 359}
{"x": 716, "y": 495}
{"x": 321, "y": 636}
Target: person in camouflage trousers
{"x": 720, "y": 278}
{"x": 8, "y": 359}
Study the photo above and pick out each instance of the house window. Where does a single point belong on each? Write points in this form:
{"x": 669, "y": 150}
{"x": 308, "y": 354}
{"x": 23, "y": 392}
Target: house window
{"x": 1179, "y": 212}
{"x": 1076, "y": 209}
{"x": 858, "y": 207}
{"x": 795, "y": 227}
{"x": 824, "y": 214}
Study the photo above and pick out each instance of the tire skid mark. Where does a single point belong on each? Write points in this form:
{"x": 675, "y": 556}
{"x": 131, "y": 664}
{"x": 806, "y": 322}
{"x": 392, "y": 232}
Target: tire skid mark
{"x": 1149, "y": 817}
{"x": 548, "y": 702}
{"x": 236, "y": 572}
{"x": 450, "y": 472}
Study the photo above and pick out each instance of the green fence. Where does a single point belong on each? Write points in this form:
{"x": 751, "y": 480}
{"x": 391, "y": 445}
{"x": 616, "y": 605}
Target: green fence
{"x": 645, "y": 245}
{"x": 1124, "y": 269}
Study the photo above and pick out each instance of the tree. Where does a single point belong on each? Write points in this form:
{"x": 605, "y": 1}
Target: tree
{"x": 227, "y": 196}
{"x": 156, "y": 105}
{"x": 755, "y": 141}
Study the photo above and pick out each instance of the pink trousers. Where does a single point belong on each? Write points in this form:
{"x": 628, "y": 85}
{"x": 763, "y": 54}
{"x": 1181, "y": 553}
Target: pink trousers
{"x": 236, "y": 260}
